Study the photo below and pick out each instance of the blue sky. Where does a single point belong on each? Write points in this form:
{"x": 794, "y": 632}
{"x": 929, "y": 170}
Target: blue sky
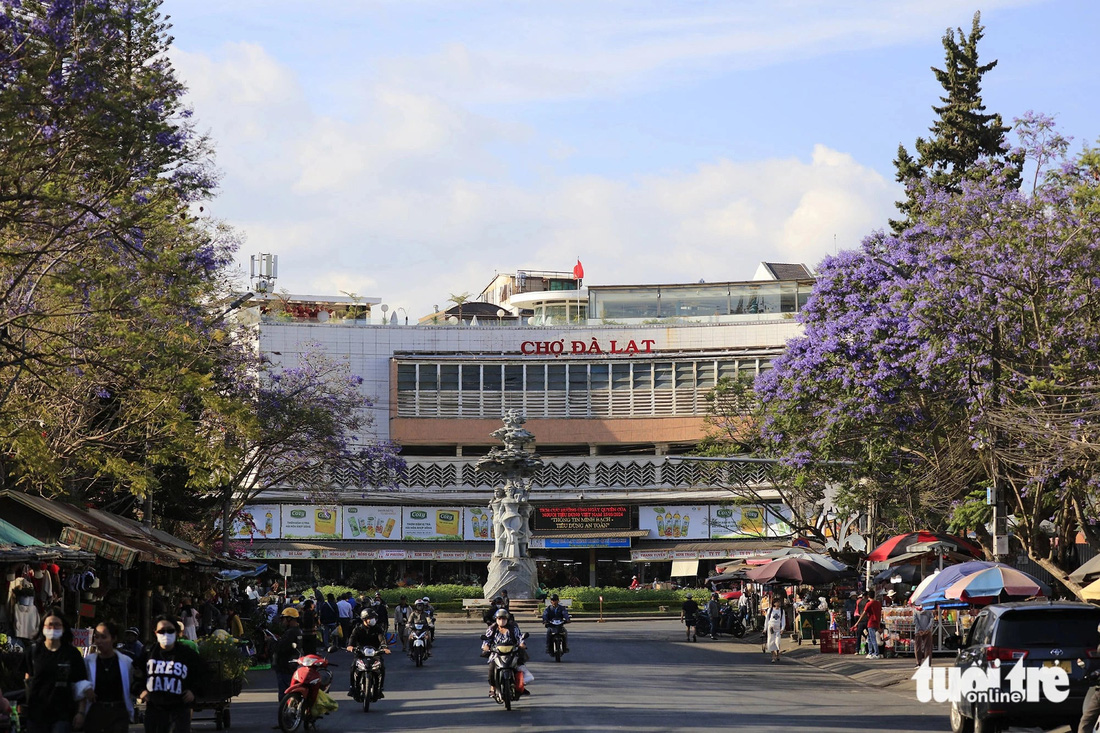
{"x": 410, "y": 149}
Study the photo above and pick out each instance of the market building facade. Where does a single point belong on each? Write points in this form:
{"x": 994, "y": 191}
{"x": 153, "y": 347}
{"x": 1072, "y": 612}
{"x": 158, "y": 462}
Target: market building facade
{"x": 612, "y": 399}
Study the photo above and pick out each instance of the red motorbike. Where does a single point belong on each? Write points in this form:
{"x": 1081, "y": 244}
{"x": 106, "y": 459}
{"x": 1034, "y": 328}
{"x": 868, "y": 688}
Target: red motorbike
{"x": 296, "y": 709}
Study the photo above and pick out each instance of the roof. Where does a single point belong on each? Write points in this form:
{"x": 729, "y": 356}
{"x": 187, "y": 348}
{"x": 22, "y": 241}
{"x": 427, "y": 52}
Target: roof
{"x": 788, "y": 271}
{"x": 12, "y": 535}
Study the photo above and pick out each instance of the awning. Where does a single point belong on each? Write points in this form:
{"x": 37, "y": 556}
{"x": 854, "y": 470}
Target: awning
{"x": 684, "y": 568}
{"x": 105, "y": 548}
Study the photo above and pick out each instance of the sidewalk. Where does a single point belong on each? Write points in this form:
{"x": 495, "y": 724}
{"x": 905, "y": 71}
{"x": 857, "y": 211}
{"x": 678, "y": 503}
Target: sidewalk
{"x": 873, "y": 672}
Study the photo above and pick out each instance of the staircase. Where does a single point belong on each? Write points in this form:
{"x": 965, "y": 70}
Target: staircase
{"x": 525, "y": 609}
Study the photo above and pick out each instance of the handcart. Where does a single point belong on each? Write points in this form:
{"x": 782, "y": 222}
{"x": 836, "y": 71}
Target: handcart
{"x": 217, "y": 694}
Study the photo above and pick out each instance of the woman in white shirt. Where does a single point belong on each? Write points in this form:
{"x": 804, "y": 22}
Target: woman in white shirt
{"x": 775, "y": 621}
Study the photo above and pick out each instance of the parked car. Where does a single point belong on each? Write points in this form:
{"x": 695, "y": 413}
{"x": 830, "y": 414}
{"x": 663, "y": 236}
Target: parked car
{"x": 1035, "y": 634}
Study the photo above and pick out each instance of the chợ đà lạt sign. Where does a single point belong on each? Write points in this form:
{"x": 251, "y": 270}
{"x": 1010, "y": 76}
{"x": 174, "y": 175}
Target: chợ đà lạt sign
{"x": 561, "y": 347}
{"x": 581, "y": 518}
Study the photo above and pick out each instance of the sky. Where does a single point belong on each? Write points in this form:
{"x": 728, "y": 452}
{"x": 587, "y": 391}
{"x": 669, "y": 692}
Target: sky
{"x": 411, "y": 149}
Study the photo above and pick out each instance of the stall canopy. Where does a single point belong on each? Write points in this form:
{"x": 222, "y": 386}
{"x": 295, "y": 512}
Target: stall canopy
{"x": 113, "y": 537}
{"x": 18, "y": 546}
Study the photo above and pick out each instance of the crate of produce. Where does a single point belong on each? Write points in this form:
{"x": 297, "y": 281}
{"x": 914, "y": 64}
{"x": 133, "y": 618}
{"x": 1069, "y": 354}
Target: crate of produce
{"x": 828, "y": 642}
{"x": 846, "y": 645}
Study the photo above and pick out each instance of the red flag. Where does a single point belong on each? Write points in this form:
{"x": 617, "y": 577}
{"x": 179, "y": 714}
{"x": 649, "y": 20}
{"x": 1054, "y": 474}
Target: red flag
{"x": 578, "y": 270}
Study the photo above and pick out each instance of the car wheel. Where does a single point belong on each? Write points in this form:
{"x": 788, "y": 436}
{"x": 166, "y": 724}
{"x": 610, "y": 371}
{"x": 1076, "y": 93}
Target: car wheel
{"x": 959, "y": 722}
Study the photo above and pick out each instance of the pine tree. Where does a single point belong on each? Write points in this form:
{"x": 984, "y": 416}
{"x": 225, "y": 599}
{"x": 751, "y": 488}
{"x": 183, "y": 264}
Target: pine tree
{"x": 961, "y": 135}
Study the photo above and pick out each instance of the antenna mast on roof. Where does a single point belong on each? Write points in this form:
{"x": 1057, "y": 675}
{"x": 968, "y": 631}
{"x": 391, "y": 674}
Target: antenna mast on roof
{"x": 263, "y": 272}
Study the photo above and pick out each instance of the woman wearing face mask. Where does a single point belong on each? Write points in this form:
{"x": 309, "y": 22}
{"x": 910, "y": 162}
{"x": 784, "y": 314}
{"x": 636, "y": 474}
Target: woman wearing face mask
{"x": 53, "y": 667}
{"x": 111, "y": 675}
{"x": 173, "y": 674}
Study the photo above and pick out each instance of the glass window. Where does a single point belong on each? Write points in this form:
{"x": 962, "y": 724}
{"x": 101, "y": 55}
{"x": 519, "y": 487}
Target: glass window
{"x": 662, "y": 375}
{"x": 624, "y": 303}
{"x": 620, "y": 376}
{"x": 788, "y": 297}
{"x": 448, "y": 377}
{"x": 643, "y": 376}
{"x": 536, "y": 377}
{"x": 694, "y": 301}
{"x": 555, "y": 377}
{"x": 513, "y": 377}
{"x": 471, "y": 377}
{"x": 406, "y": 377}
{"x": 578, "y": 377}
{"x": 727, "y": 370}
{"x": 1049, "y": 627}
{"x": 599, "y": 375}
{"x": 704, "y": 373}
{"x": 491, "y": 374}
{"x": 428, "y": 378}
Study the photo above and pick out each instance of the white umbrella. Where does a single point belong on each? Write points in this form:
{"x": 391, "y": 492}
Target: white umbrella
{"x": 921, "y": 586}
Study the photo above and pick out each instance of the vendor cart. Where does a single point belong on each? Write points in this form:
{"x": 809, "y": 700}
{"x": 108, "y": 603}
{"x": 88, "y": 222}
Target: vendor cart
{"x": 808, "y": 624}
{"x": 217, "y": 694}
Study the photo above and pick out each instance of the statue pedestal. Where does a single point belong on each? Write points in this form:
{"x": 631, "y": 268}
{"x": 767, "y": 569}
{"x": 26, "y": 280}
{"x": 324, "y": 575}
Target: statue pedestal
{"x": 518, "y": 575}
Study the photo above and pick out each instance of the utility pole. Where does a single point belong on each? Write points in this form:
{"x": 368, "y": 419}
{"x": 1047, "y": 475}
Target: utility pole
{"x": 996, "y": 495}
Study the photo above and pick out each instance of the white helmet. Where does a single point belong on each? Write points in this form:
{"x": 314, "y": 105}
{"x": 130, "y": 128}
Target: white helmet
{"x": 426, "y": 599}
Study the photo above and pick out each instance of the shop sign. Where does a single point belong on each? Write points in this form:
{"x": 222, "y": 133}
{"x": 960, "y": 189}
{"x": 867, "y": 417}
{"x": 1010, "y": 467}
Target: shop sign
{"x": 431, "y": 523}
{"x": 649, "y": 555}
{"x": 311, "y": 522}
{"x": 713, "y": 555}
{"x": 562, "y": 543}
{"x": 257, "y": 522}
{"x": 478, "y": 524}
{"x": 452, "y": 556}
{"x": 561, "y": 347}
{"x": 581, "y": 518}
{"x": 479, "y": 556}
{"x": 733, "y": 521}
{"x": 422, "y": 554}
{"x": 282, "y": 554}
{"x": 685, "y": 555}
{"x": 335, "y": 554}
{"x": 364, "y": 554}
{"x": 371, "y": 522}
{"x": 678, "y": 522}
{"x": 392, "y": 554}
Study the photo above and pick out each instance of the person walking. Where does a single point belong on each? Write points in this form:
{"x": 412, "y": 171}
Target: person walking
{"x": 922, "y": 627}
{"x": 345, "y": 608}
{"x": 112, "y": 676}
{"x": 173, "y": 678}
{"x": 872, "y": 610}
{"x": 775, "y": 623}
{"x": 714, "y": 614}
{"x": 688, "y": 612}
{"x": 53, "y": 668}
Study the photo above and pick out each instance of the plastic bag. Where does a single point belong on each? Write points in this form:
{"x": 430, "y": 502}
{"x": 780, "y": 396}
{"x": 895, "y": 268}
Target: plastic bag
{"x": 324, "y": 704}
{"x": 528, "y": 678}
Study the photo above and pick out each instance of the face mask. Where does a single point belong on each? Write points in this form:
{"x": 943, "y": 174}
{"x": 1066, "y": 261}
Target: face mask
{"x": 53, "y": 634}
{"x": 370, "y": 622}
{"x": 166, "y": 640}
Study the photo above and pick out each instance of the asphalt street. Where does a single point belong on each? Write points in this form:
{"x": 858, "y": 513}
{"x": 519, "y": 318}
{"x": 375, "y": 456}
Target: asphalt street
{"x": 636, "y": 676}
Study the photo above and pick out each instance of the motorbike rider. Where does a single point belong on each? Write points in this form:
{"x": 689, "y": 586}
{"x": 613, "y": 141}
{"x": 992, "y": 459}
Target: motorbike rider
{"x": 401, "y": 614}
{"x": 419, "y": 615}
{"x": 287, "y": 649}
{"x": 556, "y": 612}
{"x": 382, "y": 610}
{"x": 504, "y": 631}
{"x": 368, "y": 633}
{"x": 489, "y": 617}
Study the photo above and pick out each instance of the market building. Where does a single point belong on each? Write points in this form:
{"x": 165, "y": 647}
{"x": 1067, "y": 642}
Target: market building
{"x": 612, "y": 381}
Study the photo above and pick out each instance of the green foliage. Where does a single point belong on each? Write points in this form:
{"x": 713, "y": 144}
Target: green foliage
{"x": 224, "y": 655}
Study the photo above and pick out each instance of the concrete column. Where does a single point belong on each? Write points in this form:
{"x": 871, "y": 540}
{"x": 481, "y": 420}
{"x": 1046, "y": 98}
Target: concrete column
{"x": 591, "y": 567}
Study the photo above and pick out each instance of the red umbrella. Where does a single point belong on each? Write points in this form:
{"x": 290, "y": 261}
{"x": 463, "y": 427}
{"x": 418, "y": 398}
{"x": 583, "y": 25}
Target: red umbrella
{"x": 792, "y": 570}
{"x": 900, "y": 544}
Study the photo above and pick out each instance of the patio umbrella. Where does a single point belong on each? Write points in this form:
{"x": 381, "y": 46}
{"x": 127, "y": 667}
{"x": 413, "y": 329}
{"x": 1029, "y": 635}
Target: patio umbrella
{"x": 933, "y": 592}
{"x": 907, "y": 573}
{"x": 1091, "y": 592}
{"x": 995, "y": 584}
{"x": 792, "y": 570}
{"x": 899, "y": 544}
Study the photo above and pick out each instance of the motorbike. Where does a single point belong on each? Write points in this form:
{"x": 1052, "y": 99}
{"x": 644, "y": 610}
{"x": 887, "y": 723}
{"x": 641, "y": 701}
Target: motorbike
{"x": 556, "y": 641}
{"x": 419, "y": 635}
{"x": 729, "y": 622}
{"x": 507, "y": 677}
{"x": 368, "y": 675}
{"x": 312, "y": 676}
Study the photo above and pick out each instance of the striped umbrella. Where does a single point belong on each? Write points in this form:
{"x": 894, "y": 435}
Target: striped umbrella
{"x": 899, "y": 544}
{"x": 998, "y": 583}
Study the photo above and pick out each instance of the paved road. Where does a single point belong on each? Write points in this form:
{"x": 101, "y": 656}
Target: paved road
{"x": 636, "y": 676}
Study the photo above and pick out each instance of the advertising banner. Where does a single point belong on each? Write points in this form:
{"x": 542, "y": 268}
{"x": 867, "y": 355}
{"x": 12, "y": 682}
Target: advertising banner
{"x": 581, "y": 518}
{"x": 431, "y": 523}
{"x": 257, "y": 522}
{"x": 737, "y": 521}
{"x": 478, "y": 524}
{"x": 392, "y": 554}
{"x": 371, "y": 522}
{"x": 311, "y": 522}
{"x": 552, "y": 543}
{"x": 679, "y": 522}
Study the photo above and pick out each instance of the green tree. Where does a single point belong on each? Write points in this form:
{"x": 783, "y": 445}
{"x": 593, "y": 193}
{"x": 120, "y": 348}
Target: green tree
{"x": 963, "y": 132}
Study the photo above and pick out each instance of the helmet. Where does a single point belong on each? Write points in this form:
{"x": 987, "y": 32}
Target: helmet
{"x": 502, "y": 613}
{"x": 498, "y": 599}
{"x": 368, "y": 613}
{"x": 290, "y": 612}
{"x": 426, "y": 599}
